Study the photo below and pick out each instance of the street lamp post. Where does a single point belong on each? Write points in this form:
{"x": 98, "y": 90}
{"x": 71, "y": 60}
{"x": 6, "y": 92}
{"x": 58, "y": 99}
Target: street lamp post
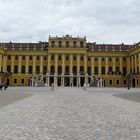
{"x": 128, "y": 77}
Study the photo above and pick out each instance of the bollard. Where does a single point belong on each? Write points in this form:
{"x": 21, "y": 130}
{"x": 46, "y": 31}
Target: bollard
{"x": 85, "y": 87}
{"x": 52, "y": 87}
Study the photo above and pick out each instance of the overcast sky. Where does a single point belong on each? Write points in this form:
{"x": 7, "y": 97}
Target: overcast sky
{"x": 102, "y": 21}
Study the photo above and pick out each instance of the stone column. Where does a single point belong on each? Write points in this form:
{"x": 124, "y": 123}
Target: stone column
{"x": 86, "y": 79}
{"x": 139, "y": 61}
{"x": 32, "y": 81}
{"x": 62, "y": 80}
{"x": 101, "y": 82}
{"x": 79, "y": 81}
{"x": 55, "y": 79}
{"x": 121, "y": 65}
{"x": 5, "y": 63}
{"x": 106, "y": 66}
{"x": 85, "y": 65}
{"x": 12, "y": 64}
{"x": 48, "y": 79}
{"x": 78, "y": 64}
{"x": 114, "y": 66}
{"x": 27, "y": 64}
{"x": 92, "y": 66}
{"x": 19, "y": 64}
{"x": 34, "y": 65}
{"x": 99, "y": 66}
{"x": 49, "y": 63}
{"x": 135, "y": 64}
{"x": 132, "y": 64}
{"x": 71, "y": 58}
{"x": 128, "y": 65}
{"x": 0, "y": 62}
{"x": 63, "y": 63}
{"x": 41, "y": 65}
{"x": 72, "y": 80}
{"x": 56, "y": 64}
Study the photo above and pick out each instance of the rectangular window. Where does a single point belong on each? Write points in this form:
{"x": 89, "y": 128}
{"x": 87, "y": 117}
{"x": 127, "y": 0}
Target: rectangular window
{"x": 45, "y": 58}
{"x": 124, "y": 58}
{"x": 124, "y": 82}
{"x": 110, "y": 82}
{"x": 74, "y": 57}
{"x": 38, "y": 58}
{"x": 59, "y": 57}
{"x": 82, "y": 58}
{"x": 118, "y": 82}
{"x": 23, "y": 57}
{"x": 89, "y": 59}
{"x": 16, "y": 57}
{"x": 22, "y": 81}
{"x": 52, "y": 57}
{"x": 15, "y": 81}
{"x": 31, "y": 57}
{"x": 9, "y": 57}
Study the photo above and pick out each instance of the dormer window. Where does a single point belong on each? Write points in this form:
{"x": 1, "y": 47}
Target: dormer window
{"x": 60, "y": 44}
{"x": 74, "y": 44}
{"x": 67, "y": 44}
{"x": 53, "y": 44}
{"x": 81, "y": 44}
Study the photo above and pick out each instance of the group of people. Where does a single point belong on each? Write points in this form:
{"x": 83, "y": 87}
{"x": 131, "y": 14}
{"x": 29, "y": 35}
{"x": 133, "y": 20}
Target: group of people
{"x": 3, "y": 87}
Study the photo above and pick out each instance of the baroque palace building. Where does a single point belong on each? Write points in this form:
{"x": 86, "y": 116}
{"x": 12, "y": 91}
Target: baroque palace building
{"x": 70, "y": 61}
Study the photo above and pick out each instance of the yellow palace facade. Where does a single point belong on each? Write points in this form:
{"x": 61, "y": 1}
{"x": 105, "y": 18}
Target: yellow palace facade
{"x": 70, "y": 61}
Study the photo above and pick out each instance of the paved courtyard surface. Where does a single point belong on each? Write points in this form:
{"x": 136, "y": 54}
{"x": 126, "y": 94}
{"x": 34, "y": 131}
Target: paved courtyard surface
{"x": 70, "y": 114}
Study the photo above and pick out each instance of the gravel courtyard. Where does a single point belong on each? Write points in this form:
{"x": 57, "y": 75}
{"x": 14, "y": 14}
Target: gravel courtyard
{"x": 69, "y": 114}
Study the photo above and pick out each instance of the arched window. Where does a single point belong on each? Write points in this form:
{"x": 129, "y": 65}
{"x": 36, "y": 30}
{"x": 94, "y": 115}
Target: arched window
{"x": 23, "y": 69}
{"x": 124, "y": 71}
{"x": 67, "y": 70}
{"x": 30, "y": 69}
{"x": 15, "y": 69}
{"x": 52, "y": 70}
{"x": 103, "y": 70}
{"x": 110, "y": 69}
{"x": 59, "y": 69}
{"x": 9, "y": 68}
{"x": 74, "y": 70}
{"x": 44, "y": 69}
{"x": 81, "y": 70}
{"x": 37, "y": 70}
{"x": 96, "y": 69}
{"x": 117, "y": 69}
{"x": 89, "y": 70}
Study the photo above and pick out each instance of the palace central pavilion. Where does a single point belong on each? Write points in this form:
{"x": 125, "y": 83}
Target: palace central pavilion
{"x": 70, "y": 61}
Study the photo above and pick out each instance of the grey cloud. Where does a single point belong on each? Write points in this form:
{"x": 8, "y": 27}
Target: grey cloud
{"x": 102, "y": 21}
